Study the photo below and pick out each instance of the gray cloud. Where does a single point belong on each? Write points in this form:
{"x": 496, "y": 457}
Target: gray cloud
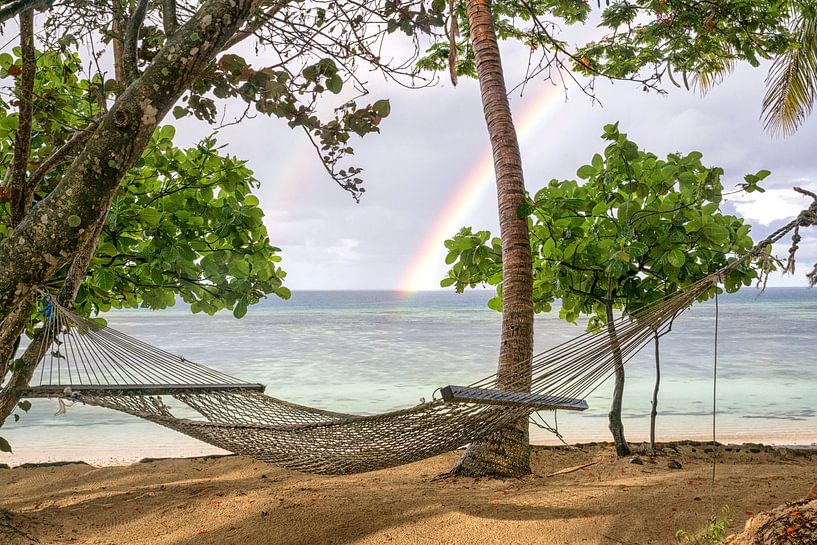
{"x": 433, "y": 139}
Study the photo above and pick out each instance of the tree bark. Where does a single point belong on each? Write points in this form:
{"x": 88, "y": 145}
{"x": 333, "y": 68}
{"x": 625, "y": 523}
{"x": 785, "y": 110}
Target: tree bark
{"x": 654, "y": 411}
{"x": 615, "y": 423}
{"x": 507, "y": 452}
{"x": 10, "y": 331}
{"x": 130, "y": 47}
{"x": 118, "y": 26}
{"x": 21, "y": 190}
{"x": 169, "y": 20}
{"x": 51, "y": 234}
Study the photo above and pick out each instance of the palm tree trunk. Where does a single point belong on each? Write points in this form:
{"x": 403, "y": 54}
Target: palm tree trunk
{"x": 615, "y": 423}
{"x": 507, "y": 452}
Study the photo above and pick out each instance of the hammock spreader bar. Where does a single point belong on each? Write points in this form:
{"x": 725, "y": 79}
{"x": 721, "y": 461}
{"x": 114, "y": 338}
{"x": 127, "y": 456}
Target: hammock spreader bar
{"x": 491, "y": 396}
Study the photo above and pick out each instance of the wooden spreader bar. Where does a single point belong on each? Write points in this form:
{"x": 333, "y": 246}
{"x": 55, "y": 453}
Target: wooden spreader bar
{"x": 489, "y": 396}
{"x": 137, "y": 389}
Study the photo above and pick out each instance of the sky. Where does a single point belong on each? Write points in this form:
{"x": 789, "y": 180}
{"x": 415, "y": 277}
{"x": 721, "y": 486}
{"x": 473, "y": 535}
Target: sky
{"x": 429, "y": 172}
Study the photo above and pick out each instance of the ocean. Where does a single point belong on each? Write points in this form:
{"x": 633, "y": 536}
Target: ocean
{"x": 372, "y": 351}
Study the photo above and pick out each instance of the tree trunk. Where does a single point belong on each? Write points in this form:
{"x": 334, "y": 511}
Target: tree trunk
{"x": 20, "y": 378}
{"x": 616, "y": 425}
{"x": 507, "y": 452}
{"x": 654, "y": 411}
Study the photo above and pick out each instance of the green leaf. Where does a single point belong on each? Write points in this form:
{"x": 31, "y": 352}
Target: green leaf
{"x": 74, "y": 220}
{"x": 335, "y": 84}
{"x": 25, "y": 405}
{"x": 240, "y": 266}
{"x": 715, "y": 232}
{"x": 104, "y": 279}
{"x": 179, "y": 112}
{"x": 4, "y": 445}
{"x": 676, "y": 258}
{"x": 495, "y": 303}
{"x": 447, "y": 282}
{"x": 382, "y": 107}
{"x": 240, "y": 309}
{"x": 598, "y": 162}
{"x": 283, "y": 292}
{"x": 585, "y": 172}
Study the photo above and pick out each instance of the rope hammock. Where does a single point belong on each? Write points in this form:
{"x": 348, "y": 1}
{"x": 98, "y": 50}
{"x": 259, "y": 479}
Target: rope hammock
{"x": 85, "y": 361}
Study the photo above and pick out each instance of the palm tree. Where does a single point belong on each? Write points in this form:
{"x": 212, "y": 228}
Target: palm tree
{"x": 791, "y": 86}
{"x": 507, "y": 452}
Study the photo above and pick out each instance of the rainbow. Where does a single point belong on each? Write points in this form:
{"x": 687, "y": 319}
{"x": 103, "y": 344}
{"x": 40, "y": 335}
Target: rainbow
{"x": 424, "y": 269}
{"x": 285, "y": 184}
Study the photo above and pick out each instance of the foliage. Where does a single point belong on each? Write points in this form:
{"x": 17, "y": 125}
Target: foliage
{"x": 184, "y": 223}
{"x": 639, "y": 228}
{"x": 311, "y": 56}
{"x": 712, "y": 534}
{"x": 646, "y": 40}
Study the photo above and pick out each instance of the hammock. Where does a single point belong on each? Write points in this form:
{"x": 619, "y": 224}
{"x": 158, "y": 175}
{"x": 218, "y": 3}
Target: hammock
{"x": 100, "y": 366}
{"x": 84, "y": 361}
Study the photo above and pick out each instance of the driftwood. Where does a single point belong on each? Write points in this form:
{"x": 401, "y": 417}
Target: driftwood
{"x": 570, "y": 469}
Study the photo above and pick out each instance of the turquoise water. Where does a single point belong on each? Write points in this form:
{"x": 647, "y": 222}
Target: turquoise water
{"x": 371, "y": 351}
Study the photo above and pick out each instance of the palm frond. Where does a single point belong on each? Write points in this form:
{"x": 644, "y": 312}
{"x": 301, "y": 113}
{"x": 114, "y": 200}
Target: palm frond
{"x": 791, "y": 86}
{"x": 715, "y": 72}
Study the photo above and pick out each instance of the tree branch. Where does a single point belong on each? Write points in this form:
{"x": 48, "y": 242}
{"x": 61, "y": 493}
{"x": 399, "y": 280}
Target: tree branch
{"x": 21, "y": 190}
{"x": 130, "y": 61}
{"x": 78, "y": 139}
{"x": 117, "y": 26}
{"x": 169, "y": 21}
{"x": 17, "y": 7}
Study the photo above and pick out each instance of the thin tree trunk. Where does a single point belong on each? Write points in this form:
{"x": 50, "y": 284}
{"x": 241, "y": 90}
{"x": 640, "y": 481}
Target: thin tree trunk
{"x": 654, "y": 411}
{"x": 615, "y": 423}
{"x": 507, "y": 452}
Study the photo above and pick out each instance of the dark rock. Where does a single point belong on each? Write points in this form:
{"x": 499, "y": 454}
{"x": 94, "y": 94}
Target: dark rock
{"x": 674, "y": 464}
{"x": 636, "y": 460}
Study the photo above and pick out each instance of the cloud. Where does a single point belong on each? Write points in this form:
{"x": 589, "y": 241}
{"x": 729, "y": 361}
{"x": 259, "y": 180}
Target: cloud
{"x": 434, "y": 137}
{"x": 770, "y": 206}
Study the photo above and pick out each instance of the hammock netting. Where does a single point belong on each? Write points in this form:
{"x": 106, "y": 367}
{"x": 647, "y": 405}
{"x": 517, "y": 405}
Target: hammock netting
{"x": 80, "y": 359}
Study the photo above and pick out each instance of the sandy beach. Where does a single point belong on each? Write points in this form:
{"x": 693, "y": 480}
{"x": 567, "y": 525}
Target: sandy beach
{"x": 235, "y": 500}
